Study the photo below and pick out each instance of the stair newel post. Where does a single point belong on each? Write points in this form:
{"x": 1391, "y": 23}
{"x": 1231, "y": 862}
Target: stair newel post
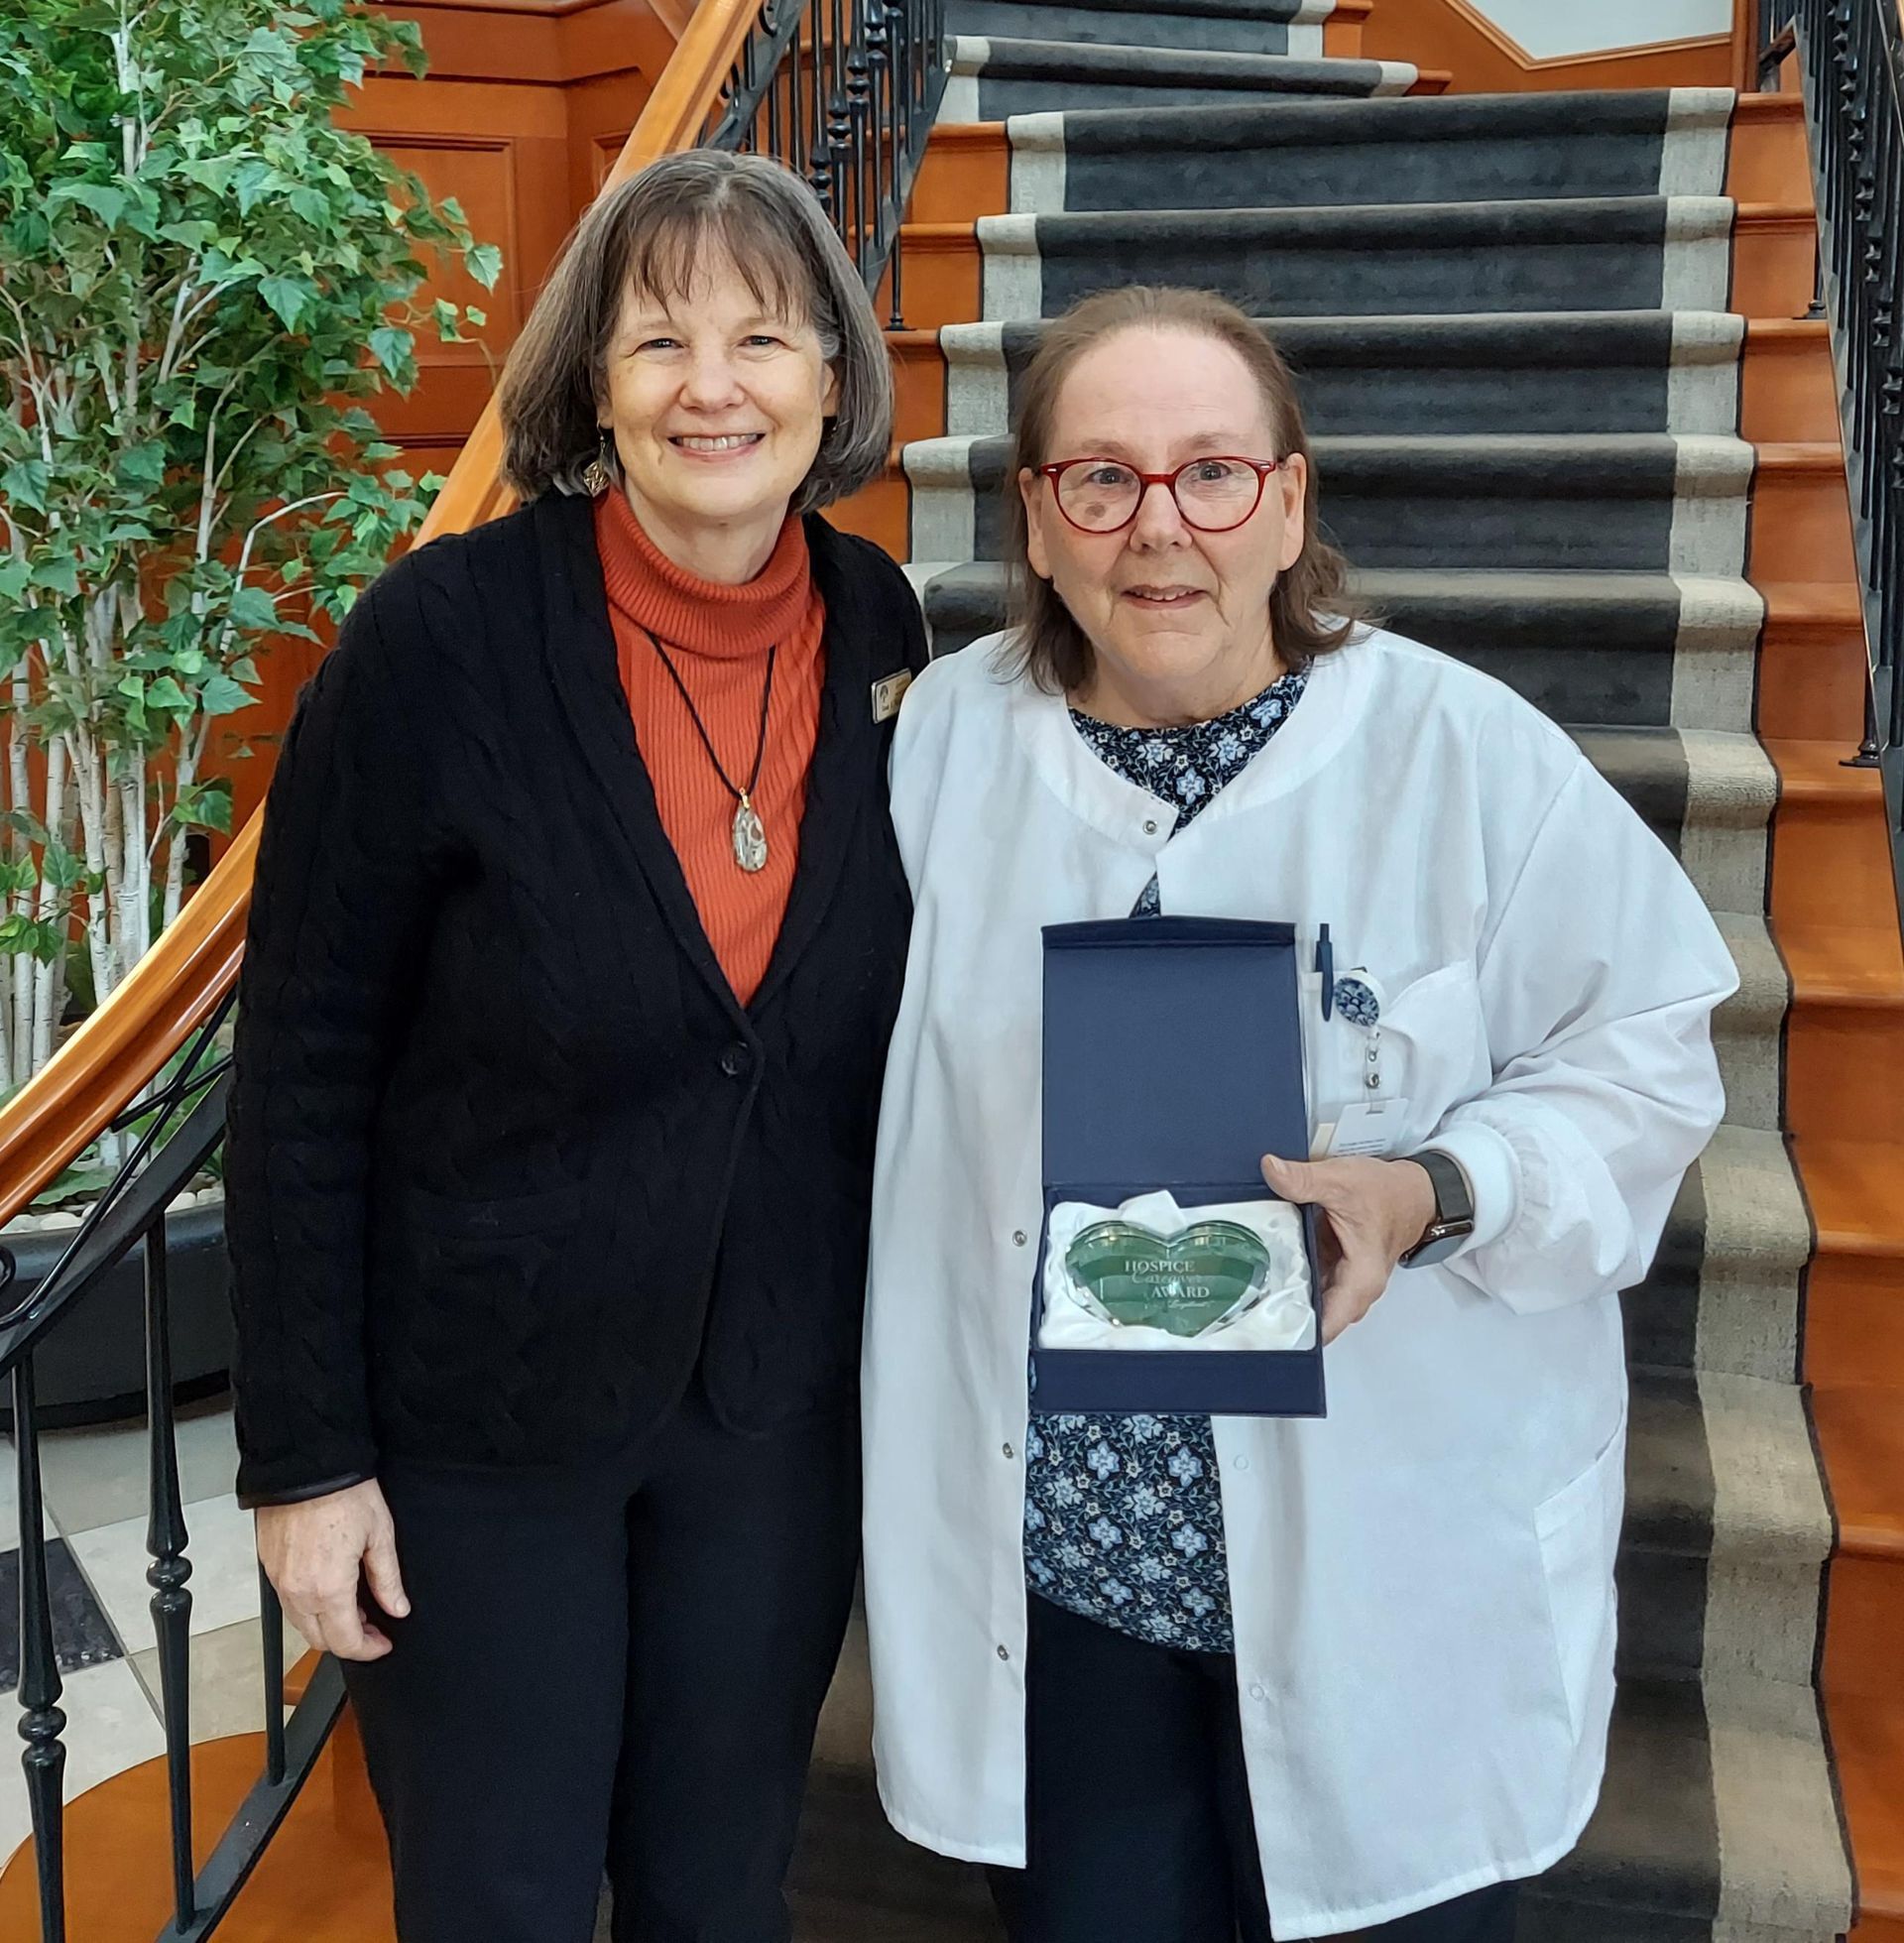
{"x": 839, "y": 121}
{"x": 42, "y": 1722}
{"x": 166, "y": 1542}
{"x": 859, "y": 93}
{"x": 271, "y": 1631}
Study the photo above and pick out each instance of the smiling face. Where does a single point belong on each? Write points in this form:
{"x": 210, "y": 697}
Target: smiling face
{"x": 718, "y": 408}
{"x": 1178, "y": 618}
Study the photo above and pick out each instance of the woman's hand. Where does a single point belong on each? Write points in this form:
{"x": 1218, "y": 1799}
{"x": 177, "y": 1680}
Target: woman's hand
{"x": 315, "y": 1554}
{"x": 1376, "y": 1212}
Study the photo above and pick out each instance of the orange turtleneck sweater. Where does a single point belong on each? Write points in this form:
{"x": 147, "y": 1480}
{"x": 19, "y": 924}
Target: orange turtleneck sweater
{"x": 718, "y": 638}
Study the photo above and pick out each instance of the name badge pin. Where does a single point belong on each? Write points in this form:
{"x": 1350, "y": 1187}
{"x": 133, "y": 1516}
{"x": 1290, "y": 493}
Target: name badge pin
{"x": 887, "y": 692}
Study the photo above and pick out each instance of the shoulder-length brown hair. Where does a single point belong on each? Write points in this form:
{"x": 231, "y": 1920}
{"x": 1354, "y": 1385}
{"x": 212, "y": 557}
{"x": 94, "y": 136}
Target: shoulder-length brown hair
{"x": 651, "y": 232}
{"x": 1311, "y": 611}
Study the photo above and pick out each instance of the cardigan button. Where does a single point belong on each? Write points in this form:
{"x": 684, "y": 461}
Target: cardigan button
{"x": 1149, "y": 827}
{"x": 735, "y": 1060}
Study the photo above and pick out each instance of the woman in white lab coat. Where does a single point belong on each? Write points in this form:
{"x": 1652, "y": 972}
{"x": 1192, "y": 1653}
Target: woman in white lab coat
{"x": 1179, "y": 1678}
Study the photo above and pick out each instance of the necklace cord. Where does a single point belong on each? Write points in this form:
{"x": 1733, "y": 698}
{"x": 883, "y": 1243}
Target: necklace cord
{"x": 700, "y": 728}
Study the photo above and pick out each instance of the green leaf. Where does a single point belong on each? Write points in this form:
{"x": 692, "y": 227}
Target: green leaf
{"x": 288, "y": 297}
{"x": 58, "y": 574}
{"x": 27, "y": 480}
{"x": 224, "y": 696}
{"x": 143, "y": 465}
{"x": 473, "y": 315}
{"x": 391, "y": 348}
{"x": 105, "y": 202}
{"x": 252, "y": 607}
{"x": 484, "y": 262}
{"x": 166, "y": 694}
{"x": 206, "y": 805}
{"x": 13, "y": 578}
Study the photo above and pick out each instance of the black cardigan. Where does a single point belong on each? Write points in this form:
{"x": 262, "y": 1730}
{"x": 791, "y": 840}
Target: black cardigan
{"x": 507, "y": 1157}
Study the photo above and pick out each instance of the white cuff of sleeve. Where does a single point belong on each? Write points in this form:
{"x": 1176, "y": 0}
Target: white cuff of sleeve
{"x": 1494, "y": 1177}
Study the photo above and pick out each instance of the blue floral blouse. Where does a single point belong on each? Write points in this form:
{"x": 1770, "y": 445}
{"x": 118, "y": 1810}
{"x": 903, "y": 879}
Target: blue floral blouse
{"x": 1124, "y": 1515}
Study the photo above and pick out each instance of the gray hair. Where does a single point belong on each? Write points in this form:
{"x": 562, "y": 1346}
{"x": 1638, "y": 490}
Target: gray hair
{"x": 651, "y": 232}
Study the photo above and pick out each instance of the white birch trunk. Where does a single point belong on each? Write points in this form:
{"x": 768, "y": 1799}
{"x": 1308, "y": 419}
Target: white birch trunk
{"x": 47, "y": 908}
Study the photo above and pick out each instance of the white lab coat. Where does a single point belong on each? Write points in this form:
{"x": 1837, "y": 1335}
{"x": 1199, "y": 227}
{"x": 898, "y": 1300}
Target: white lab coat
{"x": 1422, "y": 1582}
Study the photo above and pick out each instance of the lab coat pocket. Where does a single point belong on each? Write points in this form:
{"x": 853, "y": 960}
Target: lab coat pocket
{"x": 1429, "y": 1053}
{"x": 1578, "y": 1531}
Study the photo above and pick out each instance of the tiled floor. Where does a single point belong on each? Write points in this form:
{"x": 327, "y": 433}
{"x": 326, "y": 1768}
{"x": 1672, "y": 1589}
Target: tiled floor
{"x": 95, "y": 1491}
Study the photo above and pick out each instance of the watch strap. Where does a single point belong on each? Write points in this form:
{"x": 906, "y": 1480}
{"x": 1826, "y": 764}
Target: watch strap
{"x": 1453, "y": 1218}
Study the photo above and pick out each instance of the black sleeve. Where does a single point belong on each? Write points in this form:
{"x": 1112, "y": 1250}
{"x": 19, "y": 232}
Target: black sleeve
{"x": 898, "y": 599}
{"x": 341, "y": 907}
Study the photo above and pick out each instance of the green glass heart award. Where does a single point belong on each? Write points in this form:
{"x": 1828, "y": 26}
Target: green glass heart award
{"x": 1192, "y": 1284}
{"x": 1148, "y": 1275}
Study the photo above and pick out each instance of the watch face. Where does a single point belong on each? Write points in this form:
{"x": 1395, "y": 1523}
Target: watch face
{"x": 1437, "y": 1247}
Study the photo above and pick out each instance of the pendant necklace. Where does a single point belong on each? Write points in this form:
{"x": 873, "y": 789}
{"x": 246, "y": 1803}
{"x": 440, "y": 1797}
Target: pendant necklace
{"x": 750, "y": 835}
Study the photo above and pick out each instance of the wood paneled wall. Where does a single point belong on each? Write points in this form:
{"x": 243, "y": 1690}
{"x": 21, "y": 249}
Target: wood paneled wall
{"x": 522, "y": 112}
{"x": 1455, "y": 34}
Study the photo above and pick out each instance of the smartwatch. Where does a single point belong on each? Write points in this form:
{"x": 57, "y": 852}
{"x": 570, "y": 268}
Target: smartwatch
{"x": 1453, "y": 1218}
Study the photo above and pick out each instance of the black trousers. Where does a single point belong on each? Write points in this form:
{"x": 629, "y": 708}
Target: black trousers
{"x": 1139, "y": 1827}
{"x": 619, "y": 1666}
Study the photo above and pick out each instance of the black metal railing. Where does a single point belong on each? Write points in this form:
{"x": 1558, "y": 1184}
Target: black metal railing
{"x": 844, "y": 92}
{"x": 1851, "y": 58}
{"x": 175, "y": 1132}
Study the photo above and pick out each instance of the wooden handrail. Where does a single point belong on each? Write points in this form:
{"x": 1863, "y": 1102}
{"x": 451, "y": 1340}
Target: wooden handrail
{"x": 97, "y": 1072}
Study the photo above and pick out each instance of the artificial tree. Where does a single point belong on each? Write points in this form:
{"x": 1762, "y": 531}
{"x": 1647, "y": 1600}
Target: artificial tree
{"x": 202, "y": 277}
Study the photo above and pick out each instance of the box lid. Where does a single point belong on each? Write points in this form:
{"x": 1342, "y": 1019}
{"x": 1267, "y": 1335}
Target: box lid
{"x": 1172, "y": 1051}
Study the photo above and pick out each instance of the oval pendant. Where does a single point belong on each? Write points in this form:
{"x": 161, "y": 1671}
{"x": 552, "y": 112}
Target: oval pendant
{"x": 749, "y": 838}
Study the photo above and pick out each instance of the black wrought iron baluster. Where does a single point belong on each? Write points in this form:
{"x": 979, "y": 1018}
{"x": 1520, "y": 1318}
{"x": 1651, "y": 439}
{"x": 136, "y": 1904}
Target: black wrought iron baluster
{"x": 839, "y": 119}
{"x": 899, "y": 24}
{"x": 769, "y": 113}
{"x": 819, "y": 165}
{"x": 1879, "y": 302}
{"x": 42, "y": 1722}
{"x": 165, "y": 1541}
{"x": 796, "y": 147}
{"x": 750, "y": 110}
{"x": 879, "y": 65}
{"x": 859, "y": 89}
{"x": 271, "y": 1629}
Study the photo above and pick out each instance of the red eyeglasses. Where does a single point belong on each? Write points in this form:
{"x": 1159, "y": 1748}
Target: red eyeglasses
{"x": 1214, "y": 495}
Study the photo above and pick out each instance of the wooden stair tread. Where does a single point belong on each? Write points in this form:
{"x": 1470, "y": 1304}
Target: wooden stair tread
{"x": 1867, "y": 1747}
{"x": 1860, "y": 1430}
{"x": 1829, "y": 603}
{"x": 1816, "y": 772}
{"x": 1801, "y": 455}
{"x": 1805, "y": 330}
{"x": 1846, "y": 965}
{"x": 1853, "y": 1186}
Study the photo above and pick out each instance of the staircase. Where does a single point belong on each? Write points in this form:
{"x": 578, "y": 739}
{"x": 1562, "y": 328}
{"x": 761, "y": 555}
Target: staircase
{"x": 1512, "y": 321}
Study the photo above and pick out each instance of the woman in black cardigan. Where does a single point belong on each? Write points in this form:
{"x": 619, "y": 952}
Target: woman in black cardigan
{"x": 548, "y": 1249}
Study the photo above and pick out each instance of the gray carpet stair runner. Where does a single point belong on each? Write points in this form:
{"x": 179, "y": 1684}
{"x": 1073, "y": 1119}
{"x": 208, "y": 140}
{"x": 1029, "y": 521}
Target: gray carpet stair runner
{"x": 1510, "y": 319}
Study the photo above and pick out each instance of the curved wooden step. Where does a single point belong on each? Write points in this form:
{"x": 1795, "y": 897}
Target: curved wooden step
{"x": 323, "y": 1879}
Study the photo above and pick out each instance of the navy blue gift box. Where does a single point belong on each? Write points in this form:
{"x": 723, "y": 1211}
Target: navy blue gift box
{"x": 1172, "y": 1060}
